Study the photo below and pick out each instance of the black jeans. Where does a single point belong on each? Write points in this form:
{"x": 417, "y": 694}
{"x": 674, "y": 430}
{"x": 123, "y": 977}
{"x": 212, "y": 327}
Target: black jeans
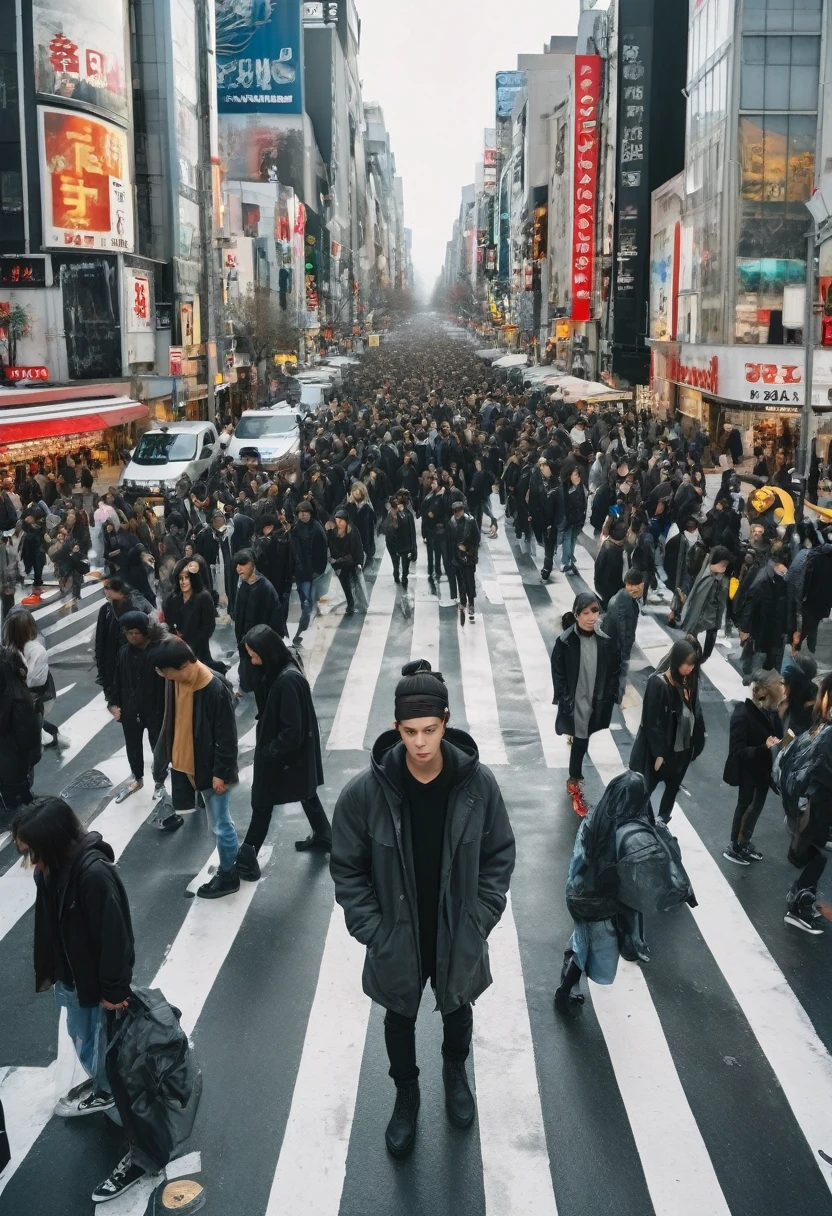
{"x": 750, "y": 800}
{"x": 435, "y": 549}
{"x": 134, "y": 730}
{"x": 6, "y": 603}
{"x": 400, "y": 1041}
{"x": 672, "y": 773}
{"x": 576, "y": 758}
{"x": 466, "y": 581}
{"x": 404, "y": 560}
{"x": 449, "y": 567}
{"x": 550, "y": 544}
{"x": 809, "y": 631}
{"x": 710, "y": 638}
{"x": 261, "y": 817}
{"x": 345, "y": 579}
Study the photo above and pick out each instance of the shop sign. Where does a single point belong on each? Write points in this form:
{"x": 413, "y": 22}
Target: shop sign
{"x": 86, "y": 192}
{"x": 80, "y": 53}
{"x": 26, "y": 373}
{"x": 138, "y": 302}
{"x": 700, "y": 372}
{"x": 508, "y": 85}
{"x": 175, "y": 361}
{"x": 23, "y": 272}
{"x": 771, "y": 383}
{"x": 258, "y": 58}
{"x": 585, "y": 182}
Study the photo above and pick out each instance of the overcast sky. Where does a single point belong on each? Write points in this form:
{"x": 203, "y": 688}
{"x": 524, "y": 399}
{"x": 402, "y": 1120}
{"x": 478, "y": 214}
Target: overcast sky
{"x": 431, "y": 65}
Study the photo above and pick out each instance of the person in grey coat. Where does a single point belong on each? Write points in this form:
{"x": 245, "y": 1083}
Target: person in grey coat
{"x": 621, "y": 620}
{"x": 704, "y": 608}
{"x": 422, "y": 855}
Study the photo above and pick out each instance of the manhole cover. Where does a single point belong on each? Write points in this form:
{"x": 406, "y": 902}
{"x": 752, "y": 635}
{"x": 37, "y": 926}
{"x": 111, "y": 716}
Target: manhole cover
{"x": 91, "y": 779}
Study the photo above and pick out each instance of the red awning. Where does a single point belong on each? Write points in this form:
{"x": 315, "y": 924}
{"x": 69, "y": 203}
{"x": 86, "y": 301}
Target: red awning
{"x": 68, "y": 418}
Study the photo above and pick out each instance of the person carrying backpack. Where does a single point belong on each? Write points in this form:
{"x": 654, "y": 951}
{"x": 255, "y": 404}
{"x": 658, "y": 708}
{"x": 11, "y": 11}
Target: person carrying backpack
{"x": 624, "y": 864}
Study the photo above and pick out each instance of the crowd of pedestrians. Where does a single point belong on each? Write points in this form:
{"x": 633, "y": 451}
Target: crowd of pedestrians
{"x": 422, "y": 442}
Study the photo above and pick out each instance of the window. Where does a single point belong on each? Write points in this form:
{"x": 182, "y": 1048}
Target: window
{"x": 779, "y": 73}
{"x": 159, "y": 447}
{"x": 11, "y": 192}
{"x": 267, "y": 425}
{"x": 8, "y": 82}
{"x": 774, "y": 16}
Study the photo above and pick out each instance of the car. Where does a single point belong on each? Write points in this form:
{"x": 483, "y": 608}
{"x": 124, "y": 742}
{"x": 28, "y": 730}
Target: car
{"x": 273, "y": 433}
{"x": 167, "y": 453}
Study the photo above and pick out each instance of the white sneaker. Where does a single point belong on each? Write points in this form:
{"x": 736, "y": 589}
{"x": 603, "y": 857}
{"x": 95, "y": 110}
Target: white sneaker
{"x": 158, "y": 792}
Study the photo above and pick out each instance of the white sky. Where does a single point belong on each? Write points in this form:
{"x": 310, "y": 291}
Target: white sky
{"x": 431, "y": 65}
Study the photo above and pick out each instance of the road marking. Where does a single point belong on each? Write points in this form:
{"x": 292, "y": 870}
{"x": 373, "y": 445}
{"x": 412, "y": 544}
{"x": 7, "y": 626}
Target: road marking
{"x": 356, "y": 702}
{"x": 794, "y": 1050}
{"x": 323, "y": 1101}
{"x": 71, "y": 618}
{"x": 425, "y": 640}
{"x": 78, "y": 639}
{"x": 83, "y": 726}
{"x": 479, "y": 693}
{"x": 28, "y": 1097}
{"x": 677, "y": 1169}
{"x": 517, "y": 1178}
{"x": 66, "y": 688}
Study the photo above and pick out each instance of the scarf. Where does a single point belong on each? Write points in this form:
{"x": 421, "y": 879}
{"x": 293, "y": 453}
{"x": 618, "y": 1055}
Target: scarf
{"x": 182, "y": 757}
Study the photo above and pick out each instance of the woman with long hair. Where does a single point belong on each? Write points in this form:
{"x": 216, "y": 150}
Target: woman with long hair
{"x": 20, "y": 633}
{"x": 363, "y": 518}
{"x": 287, "y": 755}
{"x": 811, "y": 820}
{"x": 190, "y": 613}
{"x": 585, "y": 669}
{"x": 20, "y": 724}
{"x": 672, "y": 730}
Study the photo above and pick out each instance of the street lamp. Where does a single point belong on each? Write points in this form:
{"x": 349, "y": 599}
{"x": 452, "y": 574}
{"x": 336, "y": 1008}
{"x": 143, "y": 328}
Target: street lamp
{"x": 819, "y": 207}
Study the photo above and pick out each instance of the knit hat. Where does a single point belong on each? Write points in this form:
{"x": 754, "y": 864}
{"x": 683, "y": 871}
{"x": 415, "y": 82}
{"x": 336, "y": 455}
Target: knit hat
{"x": 421, "y": 692}
{"x": 135, "y": 620}
{"x": 341, "y": 513}
{"x": 303, "y": 507}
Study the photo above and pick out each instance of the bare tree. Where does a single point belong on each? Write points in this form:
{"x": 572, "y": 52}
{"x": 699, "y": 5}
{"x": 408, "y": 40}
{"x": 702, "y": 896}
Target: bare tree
{"x": 264, "y": 328}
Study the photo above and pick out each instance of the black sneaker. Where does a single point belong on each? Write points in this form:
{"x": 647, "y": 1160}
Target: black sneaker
{"x": 802, "y": 919}
{"x": 401, "y": 1130}
{"x": 314, "y": 842}
{"x": 123, "y": 1177}
{"x": 471, "y": 615}
{"x": 172, "y": 822}
{"x": 224, "y": 882}
{"x": 459, "y": 1101}
{"x": 569, "y": 1003}
{"x": 248, "y": 866}
{"x": 404, "y": 582}
{"x": 751, "y": 853}
{"x": 737, "y": 854}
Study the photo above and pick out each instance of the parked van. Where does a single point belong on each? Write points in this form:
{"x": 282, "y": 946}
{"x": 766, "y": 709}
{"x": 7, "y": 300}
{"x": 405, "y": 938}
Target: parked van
{"x": 165, "y": 454}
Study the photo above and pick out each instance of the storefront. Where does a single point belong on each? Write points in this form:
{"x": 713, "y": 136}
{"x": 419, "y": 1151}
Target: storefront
{"x": 99, "y": 427}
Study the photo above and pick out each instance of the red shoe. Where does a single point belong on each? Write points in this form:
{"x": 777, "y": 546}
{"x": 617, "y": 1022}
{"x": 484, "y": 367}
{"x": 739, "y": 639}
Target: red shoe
{"x": 575, "y": 791}
{"x": 31, "y": 600}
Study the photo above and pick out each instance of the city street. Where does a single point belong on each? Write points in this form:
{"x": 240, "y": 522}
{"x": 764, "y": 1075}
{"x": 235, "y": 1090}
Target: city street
{"x": 699, "y": 1083}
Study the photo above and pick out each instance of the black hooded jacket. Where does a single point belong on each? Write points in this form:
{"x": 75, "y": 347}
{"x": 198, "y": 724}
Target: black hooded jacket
{"x": 138, "y": 690}
{"x": 375, "y": 884}
{"x": 83, "y": 931}
{"x": 109, "y": 638}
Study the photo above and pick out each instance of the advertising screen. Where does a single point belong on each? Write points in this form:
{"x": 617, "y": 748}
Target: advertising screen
{"x": 259, "y": 65}
{"x": 85, "y": 182}
{"x": 80, "y": 52}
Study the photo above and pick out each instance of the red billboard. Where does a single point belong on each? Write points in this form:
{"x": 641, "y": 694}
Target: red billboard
{"x": 585, "y": 182}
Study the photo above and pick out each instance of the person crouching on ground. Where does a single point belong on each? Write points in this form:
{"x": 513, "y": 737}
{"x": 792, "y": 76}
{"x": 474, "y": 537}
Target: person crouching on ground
{"x": 420, "y": 900}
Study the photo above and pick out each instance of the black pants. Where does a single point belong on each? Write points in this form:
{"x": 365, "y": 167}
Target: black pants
{"x": 402, "y": 559}
{"x": 400, "y": 1041}
{"x": 576, "y": 758}
{"x": 345, "y": 579}
{"x": 134, "y": 730}
{"x": 261, "y": 817}
{"x": 550, "y": 544}
{"x": 6, "y": 603}
{"x": 809, "y": 630}
{"x": 750, "y": 800}
{"x": 435, "y": 549}
{"x": 449, "y": 567}
{"x": 466, "y": 581}
{"x": 710, "y": 638}
{"x": 672, "y": 773}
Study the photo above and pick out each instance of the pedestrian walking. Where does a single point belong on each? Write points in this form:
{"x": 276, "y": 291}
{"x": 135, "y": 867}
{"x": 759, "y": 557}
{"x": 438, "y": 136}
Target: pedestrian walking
{"x": 108, "y": 632}
{"x": 288, "y": 766}
{"x": 190, "y": 612}
{"x": 20, "y": 632}
{"x": 257, "y": 603}
{"x": 198, "y": 742}
{"x": 620, "y": 622}
{"x": 610, "y": 564}
{"x": 572, "y": 502}
{"x": 585, "y": 671}
{"x": 20, "y": 727}
{"x": 764, "y": 620}
{"x": 672, "y": 729}
{"x": 400, "y": 538}
{"x": 346, "y": 555}
{"x": 139, "y": 692}
{"x": 363, "y": 518}
{"x": 755, "y": 729}
{"x": 275, "y": 560}
{"x": 704, "y": 607}
{"x": 10, "y": 573}
{"x": 308, "y": 540}
{"x": 435, "y": 513}
{"x": 421, "y": 901}
{"x": 464, "y": 546}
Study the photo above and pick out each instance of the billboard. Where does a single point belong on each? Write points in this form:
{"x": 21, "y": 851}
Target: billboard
{"x": 253, "y": 150}
{"x": 259, "y": 63}
{"x": 509, "y": 85}
{"x": 585, "y": 182}
{"x": 86, "y": 193}
{"x": 80, "y": 52}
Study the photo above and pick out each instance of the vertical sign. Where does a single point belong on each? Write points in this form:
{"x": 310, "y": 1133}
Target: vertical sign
{"x": 585, "y": 182}
{"x": 259, "y": 60}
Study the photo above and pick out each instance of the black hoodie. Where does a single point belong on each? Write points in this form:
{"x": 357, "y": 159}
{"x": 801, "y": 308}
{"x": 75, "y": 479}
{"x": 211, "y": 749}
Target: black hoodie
{"x": 83, "y": 931}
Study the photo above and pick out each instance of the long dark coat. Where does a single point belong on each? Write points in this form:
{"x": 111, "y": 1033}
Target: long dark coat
{"x": 287, "y": 756}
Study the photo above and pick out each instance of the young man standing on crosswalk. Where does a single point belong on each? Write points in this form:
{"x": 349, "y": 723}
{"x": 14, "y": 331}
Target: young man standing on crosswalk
{"x": 422, "y": 856}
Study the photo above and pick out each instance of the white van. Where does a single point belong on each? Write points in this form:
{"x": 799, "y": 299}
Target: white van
{"x": 275, "y": 435}
{"x": 165, "y": 454}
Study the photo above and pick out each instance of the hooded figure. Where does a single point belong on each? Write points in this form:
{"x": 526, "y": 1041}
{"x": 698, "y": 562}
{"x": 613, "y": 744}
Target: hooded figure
{"x": 623, "y": 864}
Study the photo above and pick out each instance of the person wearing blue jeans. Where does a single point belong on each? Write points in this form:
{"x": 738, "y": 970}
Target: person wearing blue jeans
{"x": 567, "y": 552}
{"x": 198, "y": 742}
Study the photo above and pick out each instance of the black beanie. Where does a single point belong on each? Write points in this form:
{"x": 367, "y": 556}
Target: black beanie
{"x": 421, "y": 692}
{"x": 135, "y": 620}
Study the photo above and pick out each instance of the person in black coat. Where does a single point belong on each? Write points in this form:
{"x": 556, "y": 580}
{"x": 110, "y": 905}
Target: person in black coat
{"x": 84, "y": 949}
{"x": 463, "y": 540}
{"x": 108, "y": 632}
{"x": 190, "y": 613}
{"x": 20, "y": 727}
{"x": 585, "y": 670}
{"x": 436, "y": 511}
{"x": 755, "y": 728}
{"x": 764, "y": 620}
{"x": 407, "y": 477}
{"x": 363, "y": 518}
{"x": 276, "y": 560}
{"x": 609, "y": 564}
{"x": 400, "y": 537}
{"x": 309, "y": 549}
{"x": 288, "y": 766}
{"x": 139, "y": 693}
{"x": 672, "y": 730}
{"x": 198, "y": 743}
{"x": 346, "y": 554}
{"x": 257, "y": 604}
